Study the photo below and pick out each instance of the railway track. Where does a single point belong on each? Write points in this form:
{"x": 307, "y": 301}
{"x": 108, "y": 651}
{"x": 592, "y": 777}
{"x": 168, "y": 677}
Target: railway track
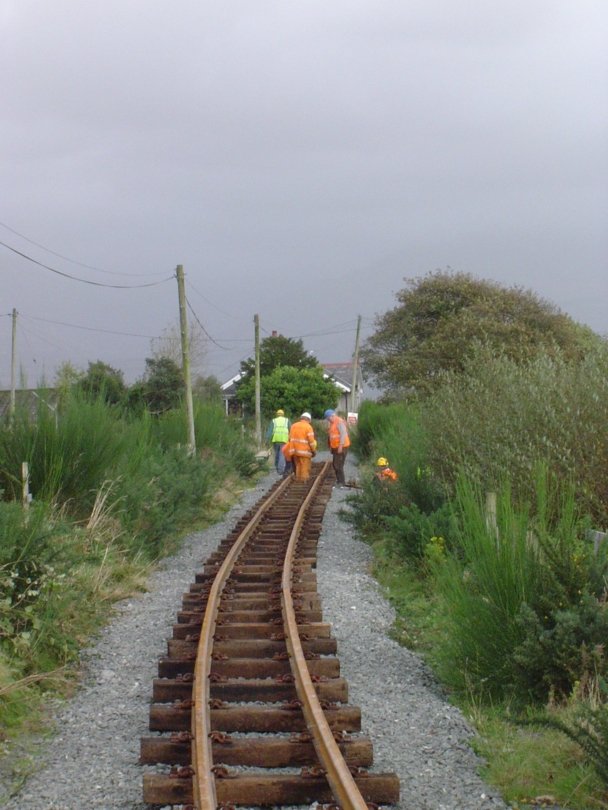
{"x": 249, "y": 707}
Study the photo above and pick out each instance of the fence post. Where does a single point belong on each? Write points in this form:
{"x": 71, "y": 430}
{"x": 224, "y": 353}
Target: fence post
{"x": 25, "y": 484}
{"x": 598, "y": 538}
{"x": 491, "y": 523}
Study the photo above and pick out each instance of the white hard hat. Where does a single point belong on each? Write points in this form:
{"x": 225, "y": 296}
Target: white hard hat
{"x": 306, "y": 415}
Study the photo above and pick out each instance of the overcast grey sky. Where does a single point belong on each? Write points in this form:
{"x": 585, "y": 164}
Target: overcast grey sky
{"x": 300, "y": 158}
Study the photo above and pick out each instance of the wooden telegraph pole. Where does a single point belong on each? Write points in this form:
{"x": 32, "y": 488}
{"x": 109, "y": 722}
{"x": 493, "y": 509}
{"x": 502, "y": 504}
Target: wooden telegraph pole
{"x": 183, "y": 325}
{"x": 11, "y": 411}
{"x": 258, "y": 417}
{"x": 353, "y": 392}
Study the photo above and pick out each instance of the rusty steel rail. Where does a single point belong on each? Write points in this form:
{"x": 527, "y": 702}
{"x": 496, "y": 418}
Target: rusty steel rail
{"x": 341, "y": 781}
{"x": 227, "y": 669}
{"x": 202, "y": 756}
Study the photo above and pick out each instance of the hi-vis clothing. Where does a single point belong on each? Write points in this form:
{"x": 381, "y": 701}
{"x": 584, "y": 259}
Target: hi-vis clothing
{"x": 337, "y": 434}
{"x": 280, "y": 429}
{"x": 304, "y": 445}
{"x": 302, "y": 439}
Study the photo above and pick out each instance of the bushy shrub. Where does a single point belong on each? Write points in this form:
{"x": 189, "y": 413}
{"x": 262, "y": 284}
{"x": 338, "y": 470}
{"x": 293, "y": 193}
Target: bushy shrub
{"x": 560, "y": 648}
{"x": 373, "y": 421}
{"x": 29, "y": 552}
{"x": 372, "y": 506}
{"x": 411, "y": 529}
{"x": 519, "y": 596}
{"x": 500, "y": 418}
{"x": 412, "y": 509}
{"x": 167, "y": 489}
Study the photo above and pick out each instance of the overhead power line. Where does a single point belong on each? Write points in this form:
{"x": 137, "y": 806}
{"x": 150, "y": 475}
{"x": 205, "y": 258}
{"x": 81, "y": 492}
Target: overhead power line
{"x": 221, "y": 311}
{"x": 84, "y": 280}
{"x": 215, "y": 343}
{"x": 89, "y": 328}
{"x": 72, "y": 261}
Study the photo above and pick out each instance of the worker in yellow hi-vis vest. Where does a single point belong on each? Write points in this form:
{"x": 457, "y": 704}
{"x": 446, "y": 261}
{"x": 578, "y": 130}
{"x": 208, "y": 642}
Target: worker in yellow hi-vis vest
{"x": 278, "y": 435}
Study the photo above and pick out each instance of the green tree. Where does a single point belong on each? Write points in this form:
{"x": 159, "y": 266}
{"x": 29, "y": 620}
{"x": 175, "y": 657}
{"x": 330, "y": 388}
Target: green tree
{"x": 292, "y": 389}
{"x": 67, "y": 377}
{"x": 207, "y": 389}
{"x": 101, "y": 380}
{"x": 440, "y": 317}
{"x": 160, "y": 389}
{"x": 276, "y": 351}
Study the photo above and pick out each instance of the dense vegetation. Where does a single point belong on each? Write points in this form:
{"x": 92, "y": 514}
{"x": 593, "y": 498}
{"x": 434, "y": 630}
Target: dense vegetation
{"x": 290, "y": 378}
{"x": 441, "y": 317}
{"x": 112, "y": 490}
{"x": 513, "y": 589}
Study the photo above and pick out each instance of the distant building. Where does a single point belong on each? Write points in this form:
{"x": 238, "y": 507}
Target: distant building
{"x": 29, "y": 398}
{"x": 340, "y": 373}
{"x": 228, "y": 390}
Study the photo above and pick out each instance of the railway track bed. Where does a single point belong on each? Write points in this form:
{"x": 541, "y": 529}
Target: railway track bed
{"x": 249, "y": 707}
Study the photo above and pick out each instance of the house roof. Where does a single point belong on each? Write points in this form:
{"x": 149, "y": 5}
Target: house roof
{"x": 229, "y": 387}
{"x": 343, "y": 374}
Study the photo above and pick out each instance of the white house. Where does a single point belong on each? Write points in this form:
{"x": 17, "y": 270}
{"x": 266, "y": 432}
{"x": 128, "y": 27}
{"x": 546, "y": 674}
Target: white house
{"x": 340, "y": 373}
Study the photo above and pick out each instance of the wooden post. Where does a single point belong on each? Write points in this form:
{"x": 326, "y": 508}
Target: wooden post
{"x": 353, "y": 391}
{"x": 258, "y": 416}
{"x": 25, "y": 485}
{"x": 11, "y": 411}
{"x": 597, "y": 538}
{"x": 491, "y": 513}
{"x": 183, "y": 323}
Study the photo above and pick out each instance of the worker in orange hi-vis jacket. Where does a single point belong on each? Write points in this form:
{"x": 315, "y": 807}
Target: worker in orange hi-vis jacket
{"x": 304, "y": 446}
{"x": 287, "y": 451}
{"x": 383, "y": 470}
{"x": 339, "y": 442}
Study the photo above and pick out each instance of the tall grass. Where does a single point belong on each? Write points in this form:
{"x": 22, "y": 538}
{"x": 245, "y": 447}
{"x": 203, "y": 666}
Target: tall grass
{"x": 68, "y": 454}
{"x": 526, "y": 615}
{"x": 483, "y": 585}
{"x": 216, "y": 436}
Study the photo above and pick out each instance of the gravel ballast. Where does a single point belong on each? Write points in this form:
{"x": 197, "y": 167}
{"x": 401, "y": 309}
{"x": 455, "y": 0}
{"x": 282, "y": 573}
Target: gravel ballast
{"x": 92, "y": 759}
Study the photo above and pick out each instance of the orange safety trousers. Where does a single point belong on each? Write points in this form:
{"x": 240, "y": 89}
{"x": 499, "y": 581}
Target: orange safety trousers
{"x": 302, "y": 466}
